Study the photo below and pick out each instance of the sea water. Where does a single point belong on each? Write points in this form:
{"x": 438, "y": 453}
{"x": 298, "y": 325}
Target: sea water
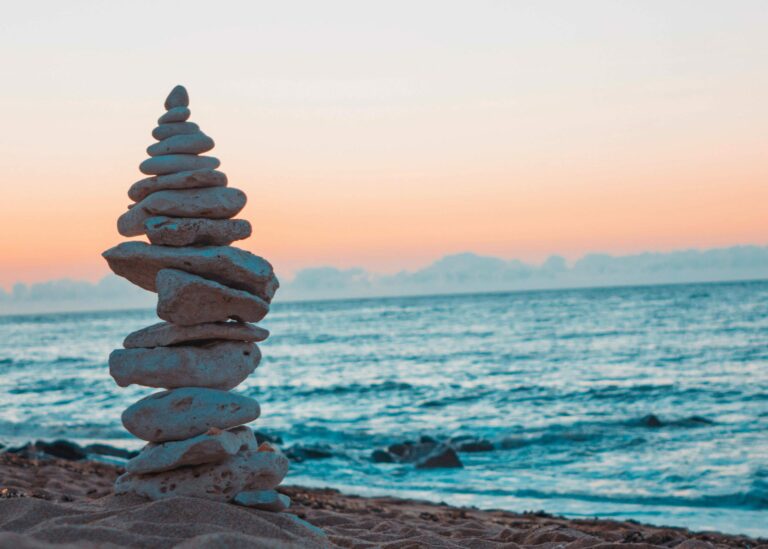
{"x": 562, "y": 382}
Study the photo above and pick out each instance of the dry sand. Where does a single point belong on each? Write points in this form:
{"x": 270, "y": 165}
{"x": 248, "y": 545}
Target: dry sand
{"x": 63, "y": 503}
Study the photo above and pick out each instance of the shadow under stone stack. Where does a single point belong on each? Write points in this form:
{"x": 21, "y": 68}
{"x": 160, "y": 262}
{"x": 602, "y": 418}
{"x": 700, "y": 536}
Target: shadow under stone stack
{"x": 208, "y": 294}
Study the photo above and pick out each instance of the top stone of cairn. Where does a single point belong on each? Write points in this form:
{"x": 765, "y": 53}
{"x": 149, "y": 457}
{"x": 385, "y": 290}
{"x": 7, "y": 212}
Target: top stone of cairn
{"x": 177, "y": 98}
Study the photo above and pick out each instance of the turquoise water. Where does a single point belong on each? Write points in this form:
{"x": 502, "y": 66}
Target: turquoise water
{"x": 559, "y": 381}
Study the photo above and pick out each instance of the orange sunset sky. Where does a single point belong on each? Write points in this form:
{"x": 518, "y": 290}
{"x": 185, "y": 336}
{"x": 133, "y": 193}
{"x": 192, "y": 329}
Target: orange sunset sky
{"x": 386, "y": 135}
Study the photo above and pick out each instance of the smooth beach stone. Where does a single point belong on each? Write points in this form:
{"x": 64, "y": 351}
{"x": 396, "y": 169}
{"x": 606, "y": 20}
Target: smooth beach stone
{"x": 179, "y": 414}
{"x": 177, "y": 98}
{"x": 211, "y": 202}
{"x": 217, "y": 365}
{"x": 182, "y": 180}
{"x": 263, "y": 500}
{"x": 172, "y": 163}
{"x": 176, "y": 114}
{"x": 164, "y": 131}
{"x": 165, "y": 334}
{"x": 139, "y": 262}
{"x": 211, "y": 447}
{"x": 186, "y": 231}
{"x": 191, "y": 143}
{"x": 188, "y": 299}
{"x": 245, "y": 471}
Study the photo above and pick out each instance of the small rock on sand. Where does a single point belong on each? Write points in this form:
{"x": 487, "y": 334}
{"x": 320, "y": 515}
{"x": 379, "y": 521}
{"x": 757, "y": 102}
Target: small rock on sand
{"x": 263, "y": 500}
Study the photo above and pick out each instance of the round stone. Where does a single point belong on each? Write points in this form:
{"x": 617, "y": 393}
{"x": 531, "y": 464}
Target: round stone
{"x": 177, "y": 98}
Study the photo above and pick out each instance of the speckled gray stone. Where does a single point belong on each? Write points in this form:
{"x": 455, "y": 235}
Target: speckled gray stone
{"x": 220, "y": 365}
{"x": 191, "y": 143}
{"x": 245, "y": 471}
{"x": 179, "y": 414}
{"x": 210, "y": 202}
{"x": 186, "y": 299}
{"x": 182, "y": 180}
{"x": 172, "y": 163}
{"x": 185, "y": 231}
{"x": 139, "y": 262}
{"x": 165, "y": 334}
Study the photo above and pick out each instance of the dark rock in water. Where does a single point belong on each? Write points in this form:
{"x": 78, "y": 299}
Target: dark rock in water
{"x": 382, "y": 456}
{"x": 696, "y": 421}
{"x": 441, "y": 457}
{"x": 476, "y": 445}
{"x": 63, "y": 449}
{"x": 266, "y": 437}
{"x": 107, "y": 450}
{"x": 400, "y": 449}
{"x": 426, "y": 439}
{"x": 299, "y": 452}
{"x": 651, "y": 421}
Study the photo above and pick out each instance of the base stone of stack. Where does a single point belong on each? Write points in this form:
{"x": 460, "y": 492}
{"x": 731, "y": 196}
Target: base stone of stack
{"x": 263, "y": 500}
{"x": 188, "y": 299}
{"x": 211, "y": 447}
{"x": 172, "y": 163}
{"x": 219, "y": 365}
{"x": 183, "y": 231}
{"x": 164, "y": 334}
{"x": 211, "y": 203}
{"x": 193, "y": 179}
{"x": 179, "y": 414}
{"x": 176, "y": 114}
{"x": 164, "y": 131}
{"x": 245, "y": 471}
{"x": 190, "y": 143}
{"x": 139, "y": 262}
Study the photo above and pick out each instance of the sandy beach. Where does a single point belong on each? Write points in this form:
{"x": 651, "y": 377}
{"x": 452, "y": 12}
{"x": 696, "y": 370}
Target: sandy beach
{"x": 53, "y": 502}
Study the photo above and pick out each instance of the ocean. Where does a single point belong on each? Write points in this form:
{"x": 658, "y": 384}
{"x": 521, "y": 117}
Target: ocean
{"x": 647, "y": 403}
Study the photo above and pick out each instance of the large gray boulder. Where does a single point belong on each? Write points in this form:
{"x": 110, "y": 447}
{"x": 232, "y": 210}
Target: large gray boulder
{"x": 164, "y": 334}
{"x": 188, "y": 299}
{"x": 191, "y": 143}
{"x": 217, "y": 365}
{"x": 245, "y": 471}
{"x": 172, "y": 163}
{"x": 184, "y": 231}
{"x": 211, "y": 447}
{"x": 211, "y": 203}
{"x": 179, "y": 414}
{"x": 182, "y": 180}
{"x": 139, "y": 262}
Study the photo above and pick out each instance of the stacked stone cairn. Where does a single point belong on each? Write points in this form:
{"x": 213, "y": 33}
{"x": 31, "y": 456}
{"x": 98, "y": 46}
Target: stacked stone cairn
{"x": 209, "y": 293}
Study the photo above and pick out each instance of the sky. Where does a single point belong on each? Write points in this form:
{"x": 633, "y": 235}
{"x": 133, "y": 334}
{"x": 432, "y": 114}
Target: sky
{"x": 388, "y": 134}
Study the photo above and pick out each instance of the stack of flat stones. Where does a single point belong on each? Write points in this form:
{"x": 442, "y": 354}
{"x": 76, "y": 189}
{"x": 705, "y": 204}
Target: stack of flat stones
{"x": 209, "y": 295}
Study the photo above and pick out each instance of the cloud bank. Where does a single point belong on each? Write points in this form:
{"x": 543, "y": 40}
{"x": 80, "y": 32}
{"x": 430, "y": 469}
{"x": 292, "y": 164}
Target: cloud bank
{"x": 460, "y": 273}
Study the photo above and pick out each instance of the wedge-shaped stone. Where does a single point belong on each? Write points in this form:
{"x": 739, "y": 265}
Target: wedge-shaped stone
{"x": 245, "y": 471}
{"x": 213, "y": 446}
{"x": 139, "y": 262}
{"x": 192, "y": 143}
{"x": 188, "y": 299}
{"x": 164, "y": 131}
{"x": 183, "y": 180}
{"x": 215, "y": 365}
{"x": 183, "y": 413}
{"x": 186, "y": 231}
{"x": 172, "y": 163}
{"x": 176, "y": 114}
{"x": 179, "y": 97}
{"x": 263, "y": 500}
{"x": 211, "y": 203}
{"x": 164, "y": 334}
